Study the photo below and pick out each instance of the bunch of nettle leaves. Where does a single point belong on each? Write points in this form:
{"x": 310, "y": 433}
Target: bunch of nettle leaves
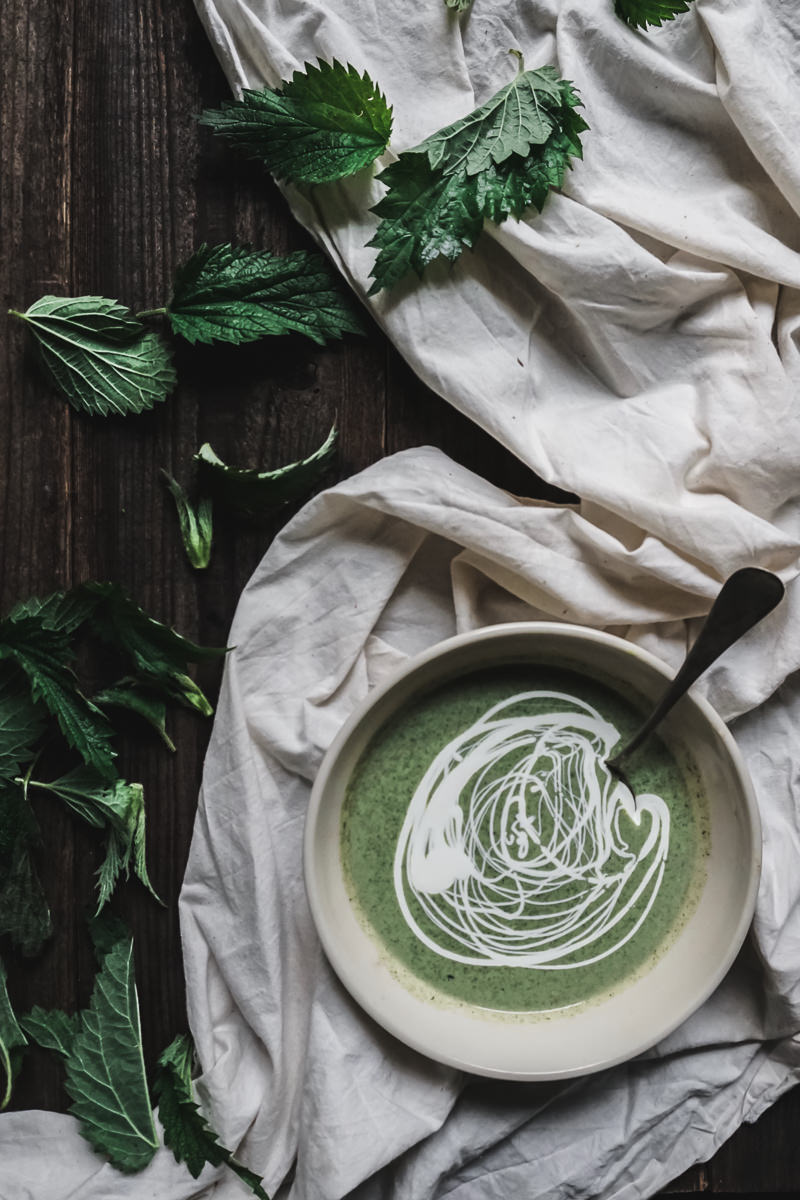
{"x": 324, "y": 124}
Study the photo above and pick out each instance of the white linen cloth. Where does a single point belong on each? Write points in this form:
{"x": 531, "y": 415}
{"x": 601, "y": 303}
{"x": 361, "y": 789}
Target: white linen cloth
{"x": 410, "y": 551}
{"x": 636, "y": 343}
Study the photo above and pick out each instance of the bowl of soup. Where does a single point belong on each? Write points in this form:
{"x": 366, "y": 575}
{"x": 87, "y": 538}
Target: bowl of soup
{"x": 496, "y": 897}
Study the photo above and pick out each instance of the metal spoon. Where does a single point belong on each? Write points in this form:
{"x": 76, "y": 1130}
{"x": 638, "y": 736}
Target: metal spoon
{"x": 744, "y": 599}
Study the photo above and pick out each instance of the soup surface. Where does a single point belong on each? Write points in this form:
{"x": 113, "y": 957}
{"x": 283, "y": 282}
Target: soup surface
{"x": 496, "y": 859}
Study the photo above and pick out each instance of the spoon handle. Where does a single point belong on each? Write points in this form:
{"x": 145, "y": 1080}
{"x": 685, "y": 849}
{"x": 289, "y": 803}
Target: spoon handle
{"x": 744, "y": 599}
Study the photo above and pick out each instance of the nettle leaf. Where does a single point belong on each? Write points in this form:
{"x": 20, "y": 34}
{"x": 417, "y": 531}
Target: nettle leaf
{"x": 130, "y": 695}
{"x": 252, "y": 493}
{"x": 497, "y": 162}
{"x": 19, "y": 834}
{"x": 52, "y": 1030}
{"x": 105, "y": 1074}
{"x": 24, "y": 914}
{"x": 98, "y": 355}
{"x": 106, "y": 931}
{"x": 116, "y": 806}
{"x": 196, "y": 524}
{"x": 63, "y": 611}
{"x": 159, "y": 654}
{"x": 522, "y": 114}
{"x": 12, "y": 1042}
{"x": 185, "y": 1130}
{"x": 233, "y": 294}
{"x": 424, "y": 216}
{"x": 22, "y": 721}
{"x": 641, "y": 13}
{"x": 17, "y": 822}
{"x": 44, "y": 654}
{"x": 126, "y": 844}
{"x": 319, "y": 126}
{"x": 519, "y": 186}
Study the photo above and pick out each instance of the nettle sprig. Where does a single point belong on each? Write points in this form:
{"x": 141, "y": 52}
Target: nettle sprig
{"x": 104, "y": 360}
{"x": 45, "y": 709}
{"x": 46, "y": 715}
{"x": 251, "y": 495}
{"x": 104, "y": 1070}
{"x": 500, "y": 160}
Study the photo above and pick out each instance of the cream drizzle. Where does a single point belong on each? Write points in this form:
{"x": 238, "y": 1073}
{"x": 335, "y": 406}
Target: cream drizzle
{"x": 527, "y": 866}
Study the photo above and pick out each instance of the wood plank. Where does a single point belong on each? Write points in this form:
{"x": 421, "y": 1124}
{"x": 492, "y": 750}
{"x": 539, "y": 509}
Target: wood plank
{"x": 696, "y": 1179}
{"x": 763, "y": 1157}
{"x": 36, "y": 49}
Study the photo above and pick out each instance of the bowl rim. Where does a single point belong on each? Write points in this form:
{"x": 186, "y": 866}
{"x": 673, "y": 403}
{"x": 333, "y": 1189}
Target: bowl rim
{"x": 442, "y": 650}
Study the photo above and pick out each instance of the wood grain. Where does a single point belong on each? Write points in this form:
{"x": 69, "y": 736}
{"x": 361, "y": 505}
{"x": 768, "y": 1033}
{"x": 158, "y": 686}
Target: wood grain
{"x": 107, "y": 185}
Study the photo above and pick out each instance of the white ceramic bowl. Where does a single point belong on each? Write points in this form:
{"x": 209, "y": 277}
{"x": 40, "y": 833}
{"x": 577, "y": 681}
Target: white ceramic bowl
{"x": 598, "y": 1034}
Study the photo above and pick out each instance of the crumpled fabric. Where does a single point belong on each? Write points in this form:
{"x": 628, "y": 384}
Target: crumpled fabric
{"x": 635, "y": 344}
{"x": 413, "y": 550}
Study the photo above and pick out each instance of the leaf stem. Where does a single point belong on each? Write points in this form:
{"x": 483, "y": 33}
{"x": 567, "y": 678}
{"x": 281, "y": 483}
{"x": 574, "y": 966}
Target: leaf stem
{"x": 152, "y": 312}
{"x": 12, "y": 312}
{"x": 519, "y": 55}
{"x": 5, "y": 1062}
{"x": 28, "y": 782}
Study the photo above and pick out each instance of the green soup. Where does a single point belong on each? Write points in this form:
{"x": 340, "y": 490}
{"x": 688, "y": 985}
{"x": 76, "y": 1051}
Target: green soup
{"x": 494, "y": 857}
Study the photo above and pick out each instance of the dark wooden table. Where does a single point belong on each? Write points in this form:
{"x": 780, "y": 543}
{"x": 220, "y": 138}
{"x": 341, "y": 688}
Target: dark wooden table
{"x": 107, "y": 183}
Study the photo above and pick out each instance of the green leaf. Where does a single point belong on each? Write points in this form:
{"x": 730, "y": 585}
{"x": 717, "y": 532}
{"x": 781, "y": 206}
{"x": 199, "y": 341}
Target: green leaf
{"x": 159, "y": 654}
{"x": 109, "y": 872}
{"x": 98, "y": 355}
{"x": 105, "y": 1066}
{"x": 128, "y": 694}
{"x": 196, "y": 525}
{"x": 522, "y": 114}
{"x": 185, "y": 1130}
{"x": 424, "y": 216}
{"x": 12, "y": 1040}
{"x": 106, "y": 931}
{"x": 52, "y": 1030}
{"x": 24, "y": 915}
{"x": 63, "y": 611}
{"x": 126, "y": 843}
{"x": 232, "y": 294}
{"x": 117, "y": 806}
{"x": 22, "y": 721}
{"x": 459, "y": 5}
{"x": 252, "y": 493}
{"x": 44, "y": 655}
{"x": 17, "y": 822}
{"x": 497, "y": 162}
{"x": 319, "y": 126}
{"x": 641, "y": 13}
